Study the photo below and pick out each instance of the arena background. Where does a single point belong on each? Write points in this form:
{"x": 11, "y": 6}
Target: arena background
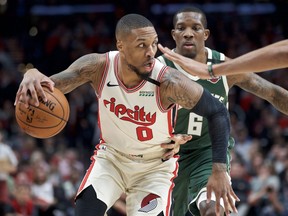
{"x": 50, "y": 34}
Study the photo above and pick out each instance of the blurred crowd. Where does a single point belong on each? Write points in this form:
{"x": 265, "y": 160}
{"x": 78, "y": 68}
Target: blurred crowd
{"x": 40, "y": 177}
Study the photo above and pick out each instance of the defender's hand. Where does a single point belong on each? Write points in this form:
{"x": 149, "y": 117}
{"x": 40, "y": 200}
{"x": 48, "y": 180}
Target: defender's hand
{"x": 189, "y": 65}
{"x": 220, "y": 184}
{"x": 174, "y": 147}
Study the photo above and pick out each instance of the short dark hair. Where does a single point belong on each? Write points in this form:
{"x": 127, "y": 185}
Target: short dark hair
{"x": 191, "y": 9}
{"x": 130, "y": 22}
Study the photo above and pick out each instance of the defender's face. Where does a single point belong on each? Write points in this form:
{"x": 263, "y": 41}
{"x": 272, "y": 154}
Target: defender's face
{"x": 189, "y": 34}
{"x": 138, "y": 50}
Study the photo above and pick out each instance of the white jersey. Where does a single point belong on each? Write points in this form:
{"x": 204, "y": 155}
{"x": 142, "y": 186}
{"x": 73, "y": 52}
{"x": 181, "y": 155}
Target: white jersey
{"x": 132, "y": 120}
{"x": 133, "y": 124}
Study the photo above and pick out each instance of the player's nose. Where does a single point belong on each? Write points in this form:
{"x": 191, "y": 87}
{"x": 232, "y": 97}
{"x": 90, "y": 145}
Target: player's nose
{"x": 151, "y": 51}
{"x": 188, "y": 33}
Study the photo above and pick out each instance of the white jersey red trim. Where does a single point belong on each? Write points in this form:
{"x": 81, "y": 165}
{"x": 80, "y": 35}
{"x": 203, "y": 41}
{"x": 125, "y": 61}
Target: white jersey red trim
{"x": 132, "y": 120}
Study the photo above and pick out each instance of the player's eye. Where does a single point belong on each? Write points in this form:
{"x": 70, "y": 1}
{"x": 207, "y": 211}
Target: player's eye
{"x": 180, "y": 28}
{"x": 197, "y": 28}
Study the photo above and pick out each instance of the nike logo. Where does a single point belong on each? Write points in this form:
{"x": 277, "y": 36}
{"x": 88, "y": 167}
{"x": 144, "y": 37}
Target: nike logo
{"x": 111, "y": 85}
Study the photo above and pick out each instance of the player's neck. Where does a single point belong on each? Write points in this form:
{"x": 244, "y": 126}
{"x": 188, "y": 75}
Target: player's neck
{"x": 128, "y": 77}
{"x": 202, "y": 56}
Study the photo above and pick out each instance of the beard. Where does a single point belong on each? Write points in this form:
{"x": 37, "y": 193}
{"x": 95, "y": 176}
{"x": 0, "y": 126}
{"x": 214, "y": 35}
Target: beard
{"x": 141, "y": 75}
{"x": 189, "y": 54}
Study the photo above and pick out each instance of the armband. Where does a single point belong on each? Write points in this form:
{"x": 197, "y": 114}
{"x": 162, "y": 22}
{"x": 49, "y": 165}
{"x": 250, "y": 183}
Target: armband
{"x": 210, "y": 71}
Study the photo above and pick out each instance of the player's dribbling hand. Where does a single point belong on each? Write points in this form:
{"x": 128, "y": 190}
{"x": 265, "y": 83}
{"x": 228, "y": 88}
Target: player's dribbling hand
{"x": 174, "y": 146}
{"x": 220, "y": 184}
{"x": 31, "y": 87}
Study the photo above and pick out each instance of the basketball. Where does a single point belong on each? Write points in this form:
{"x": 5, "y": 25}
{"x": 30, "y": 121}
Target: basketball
{"x": 46, "y": 120}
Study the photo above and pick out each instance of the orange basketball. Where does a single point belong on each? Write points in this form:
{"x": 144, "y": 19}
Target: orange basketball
{"x": 46, "y": 120}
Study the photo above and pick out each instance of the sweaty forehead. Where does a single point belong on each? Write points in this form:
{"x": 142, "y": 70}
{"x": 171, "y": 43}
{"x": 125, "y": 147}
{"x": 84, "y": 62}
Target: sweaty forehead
{"x": 189, "y": 16}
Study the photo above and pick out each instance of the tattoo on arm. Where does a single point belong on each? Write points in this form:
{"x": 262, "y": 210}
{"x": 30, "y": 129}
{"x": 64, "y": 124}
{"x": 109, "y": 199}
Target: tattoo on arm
{"x": 266, "y": 90}
{"x": 280, "y": 98}
{"x": 86, "y": 69}
{"x": 177, "y": 88}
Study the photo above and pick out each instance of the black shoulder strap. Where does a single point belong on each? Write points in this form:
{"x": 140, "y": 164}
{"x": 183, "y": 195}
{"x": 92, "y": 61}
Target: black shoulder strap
{"x": 155, "y": 82}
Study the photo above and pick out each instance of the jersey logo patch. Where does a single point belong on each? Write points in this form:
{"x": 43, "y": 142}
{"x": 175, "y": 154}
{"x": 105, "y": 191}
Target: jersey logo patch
{"x": 149, "y": 203}
{"x": 111, "y": 85}
{"x": 214, "y": 80}
{"x": 146, "y": 93}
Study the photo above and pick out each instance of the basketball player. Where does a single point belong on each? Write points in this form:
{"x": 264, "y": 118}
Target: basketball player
{"x": 270, "y": 57}
{"x": 190, "y": 33}
{"x": 136, "y": 96}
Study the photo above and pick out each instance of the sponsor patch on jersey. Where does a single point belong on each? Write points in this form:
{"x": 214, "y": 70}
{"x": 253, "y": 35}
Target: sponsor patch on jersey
{"x": 149, "y": 203}
{"x": 146, "y": 93}
{"x": 214, "y": 80}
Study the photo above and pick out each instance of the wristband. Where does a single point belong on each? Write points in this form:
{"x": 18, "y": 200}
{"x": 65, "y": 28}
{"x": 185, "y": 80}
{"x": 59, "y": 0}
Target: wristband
{"x": 210, "y": 71}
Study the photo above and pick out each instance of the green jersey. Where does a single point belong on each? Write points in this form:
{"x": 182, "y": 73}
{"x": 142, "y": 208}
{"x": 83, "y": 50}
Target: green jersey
{"x": 191, "y": 123}
{"x": 195, "y": 162}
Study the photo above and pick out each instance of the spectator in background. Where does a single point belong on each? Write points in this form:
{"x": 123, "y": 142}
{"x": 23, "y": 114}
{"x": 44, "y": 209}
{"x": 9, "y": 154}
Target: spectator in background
{"x": 243, "y": 142}
{"x": 284, "y": 185}
{"x": 257, "y": 160}
{"x": 278, "y": 155}
{"x": 43, "y": 192}
{"x": 241, "y": 183}
{"x": 69, "y": 187}
{"x": 264, "y": 196}
{"x": 22, "y": 203}
{"x": 8, "y": 166}
{"x": 69, "y": 163}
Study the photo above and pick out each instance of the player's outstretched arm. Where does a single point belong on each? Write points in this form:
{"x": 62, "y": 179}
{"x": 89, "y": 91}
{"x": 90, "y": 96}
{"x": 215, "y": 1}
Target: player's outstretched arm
{"x": 176, "y": 88}
{"x": 273, "y": 56}
{"x": 270, "y": 57}
{"x": 255, "y": 84}
{"x": 87, "y": 68}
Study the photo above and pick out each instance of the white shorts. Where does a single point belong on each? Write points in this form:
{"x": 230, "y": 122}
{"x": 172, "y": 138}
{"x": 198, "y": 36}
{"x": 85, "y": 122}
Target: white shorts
{"x": 147, "y": 183}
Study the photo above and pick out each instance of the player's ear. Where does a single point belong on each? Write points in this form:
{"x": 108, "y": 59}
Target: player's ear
{"x": 173, "y": 33}
{"x": 206, "y": 34}
{"x": 119, "y": 45}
